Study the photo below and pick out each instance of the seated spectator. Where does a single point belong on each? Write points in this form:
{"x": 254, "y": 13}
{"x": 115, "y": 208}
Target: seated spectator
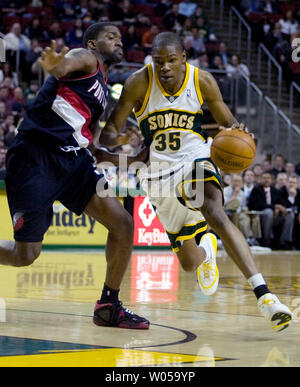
{"x": 2, "y": 162}
{"x": 266, "y": 165}
{"x": 55, "y": 31}
{"x": 190, "y": 52}
{"x": 34, "y": 52}
{"x": 202, "y": 61}
{"x": 248, "y": 6}
{"x": 122, "y": 11}
{"x": 18, "y": 102}
{"x": 10, "y": 136}
{"x": 258, "y": 171}
{"x": 130, "y": 38}
{"x": 249, "y": 183}
{"x": 270, "y": 7}
{"x": 281, "y": 180}
{"x": 236, "y": 68}
{"x": 2, "y": 112}
{"x": 148, "y": 37}
{"x": 269, "y": 200}
{"x": 217, "y": 63}
{"x": 197, "y": 42}
{"x": 187, "y": 8}
{"x": 278, "y": 165}
{"x": 31, "y": 92}
{"x": 15, "y": 40}
{"x": 291, "y": 195}
{"x": 225, "y": 55}
{"x": 173, "y": 20}
{"x": 234, "y": 198}
{"x": 36, "y": 31}
{"x": 273, "y": 37}
{"x": 5, "y": 97}
{"x": 290, "y": 169}
{"x": 288, "y": 24}
{"x": 204, "y": 29}
{"x": 74, "y": 36}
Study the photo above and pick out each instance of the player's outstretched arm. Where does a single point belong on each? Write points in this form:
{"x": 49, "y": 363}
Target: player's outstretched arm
{"x": 63, "y": 64}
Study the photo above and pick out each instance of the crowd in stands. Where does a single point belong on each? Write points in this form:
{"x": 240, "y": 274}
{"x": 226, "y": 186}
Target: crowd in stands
{"x": 27, "y": 26}
{"x": 276, "y": 25}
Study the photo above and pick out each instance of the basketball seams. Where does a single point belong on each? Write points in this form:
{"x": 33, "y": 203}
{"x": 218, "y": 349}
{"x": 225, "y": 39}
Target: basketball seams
{"x": 230, "y": 153}
{"x": 220, "y": 135}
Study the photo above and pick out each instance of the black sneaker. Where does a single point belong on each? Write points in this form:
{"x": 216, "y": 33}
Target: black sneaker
{"x": 114, "y": 315}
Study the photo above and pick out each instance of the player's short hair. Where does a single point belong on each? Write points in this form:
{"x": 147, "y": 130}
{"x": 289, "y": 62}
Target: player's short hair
{"x": 167, "y": 39}
{"x": 93, "y": 31}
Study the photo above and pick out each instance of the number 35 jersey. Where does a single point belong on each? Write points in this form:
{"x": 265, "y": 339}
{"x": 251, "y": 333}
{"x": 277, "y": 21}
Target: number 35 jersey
{"x": 171, "y": 124}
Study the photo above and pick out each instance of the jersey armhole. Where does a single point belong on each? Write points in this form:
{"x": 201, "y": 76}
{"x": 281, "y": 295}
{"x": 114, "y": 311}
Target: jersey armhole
{"x": 146, "y": 99}
{"x": 197, "y": 85}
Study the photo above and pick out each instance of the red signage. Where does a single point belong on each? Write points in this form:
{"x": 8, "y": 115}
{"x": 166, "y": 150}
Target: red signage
{"x": 148, "y": 230}
{"x": 154, "y": 277}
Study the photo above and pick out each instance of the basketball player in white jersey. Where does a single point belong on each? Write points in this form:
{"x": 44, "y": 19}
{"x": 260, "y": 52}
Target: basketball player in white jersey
{"x": 167, "y": 97}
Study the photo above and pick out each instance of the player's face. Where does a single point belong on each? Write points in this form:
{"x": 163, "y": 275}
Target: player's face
{"x": 169, "y": 63}
{"x": 109, "y": 44}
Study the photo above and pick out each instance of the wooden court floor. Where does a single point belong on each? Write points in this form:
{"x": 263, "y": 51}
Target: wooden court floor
{"x": 46, "y": 314}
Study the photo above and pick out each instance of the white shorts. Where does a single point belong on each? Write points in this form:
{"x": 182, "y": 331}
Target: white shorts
{"x": 178, "y": 213}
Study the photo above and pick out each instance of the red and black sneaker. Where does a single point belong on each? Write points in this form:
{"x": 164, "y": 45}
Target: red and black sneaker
{"x": 114, "y": 315}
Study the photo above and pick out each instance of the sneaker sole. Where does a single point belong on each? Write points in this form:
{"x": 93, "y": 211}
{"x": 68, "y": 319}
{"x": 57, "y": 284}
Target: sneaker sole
{"x": 282, "y": 321}
{"x": 100, "y": 323}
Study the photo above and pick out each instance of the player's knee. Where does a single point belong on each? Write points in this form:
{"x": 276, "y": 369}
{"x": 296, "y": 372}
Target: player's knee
{"x": 26, "y": 258}
{"x": 215, "y": 216}
{"x": 125, "y": 224}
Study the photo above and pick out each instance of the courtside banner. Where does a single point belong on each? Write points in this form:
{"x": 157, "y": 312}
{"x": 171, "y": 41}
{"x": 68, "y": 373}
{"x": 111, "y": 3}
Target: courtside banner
{"x": 67, "y": 229}
{"x": 148, "y": 230}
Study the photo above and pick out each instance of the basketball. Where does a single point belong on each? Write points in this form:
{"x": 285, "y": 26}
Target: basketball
{"x": 233, "y": 150}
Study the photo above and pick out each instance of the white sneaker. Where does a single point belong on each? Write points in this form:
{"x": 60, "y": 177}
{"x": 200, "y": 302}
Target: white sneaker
{"x": 274, "y": 311}
{"x": 207, "y": 272}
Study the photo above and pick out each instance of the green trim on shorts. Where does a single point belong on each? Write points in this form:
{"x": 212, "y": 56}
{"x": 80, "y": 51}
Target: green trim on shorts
{"x": 188, "y": 231}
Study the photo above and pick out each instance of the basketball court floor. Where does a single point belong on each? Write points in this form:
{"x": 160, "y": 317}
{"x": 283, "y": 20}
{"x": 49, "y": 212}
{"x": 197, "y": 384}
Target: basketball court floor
{"x": 46, "y": 314}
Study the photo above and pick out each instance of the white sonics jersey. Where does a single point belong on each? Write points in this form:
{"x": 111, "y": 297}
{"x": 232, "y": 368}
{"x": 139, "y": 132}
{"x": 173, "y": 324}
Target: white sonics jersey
{"x": 171, "y": 124}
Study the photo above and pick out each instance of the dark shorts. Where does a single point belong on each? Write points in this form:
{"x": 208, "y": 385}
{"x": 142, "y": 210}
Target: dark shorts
{"x": 37, "y": 176}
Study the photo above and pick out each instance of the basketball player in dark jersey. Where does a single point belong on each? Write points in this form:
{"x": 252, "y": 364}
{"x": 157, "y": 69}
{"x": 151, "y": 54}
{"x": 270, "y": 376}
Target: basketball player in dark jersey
{"x": 49, "y": 161}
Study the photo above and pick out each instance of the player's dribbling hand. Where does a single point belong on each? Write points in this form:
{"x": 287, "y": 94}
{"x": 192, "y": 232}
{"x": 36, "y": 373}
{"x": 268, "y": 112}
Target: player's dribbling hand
{"x": 240, "y": 126}
{"x": 50, "y": 58}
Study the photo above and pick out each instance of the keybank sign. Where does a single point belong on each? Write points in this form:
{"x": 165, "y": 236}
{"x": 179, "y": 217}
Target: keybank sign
{"x": 2, "y": 50}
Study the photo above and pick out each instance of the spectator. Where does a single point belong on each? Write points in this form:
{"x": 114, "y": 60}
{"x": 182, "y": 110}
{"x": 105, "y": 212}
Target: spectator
{"x": 248, "y": 6}
{"x": 2, "y": 162}
{"x": 187, "y": 8}
{"x": 249, "y": 183}
{"x": 290, "y": 169}
{"x": 258, "y": 171}
{"x": 217, "y": 63}
{"x": 281, "y": 180}
{"x": 224, "y": 53}
{"x": 31, "y": 92}
{"x": 122, "y": 11}
{"x": 234, "y": 198}
{"x": 266, "y": 165}
{"x": 148, "y": 37}
{"x": 268, "y": 200}
{"x": 18, "y": 102}
{"x": 15, "y": 40}
{"x": 10, "y": 136}
{"x": 273, "y": 37}
{"x": 202, "y": 61}
{"x": 36, "y": 31}
{"x": 4, "y": 97}
{"x": 236, "y": 68}
{"x": 288, "y": 24}
{"x": 74, "y": 36}
{"x": 2, "y": 112}
{"x": 197, "y": 42}
{"x": 227, "y": 179}
{"x": 55, "y": 31}
{"x": 34, "y": 53}
{"x": 205, "y": 31}
{"x": 173, "y": 20}
{"x": 278, "y": 165}
{"x": 270, "y": 7}
{"x": 130, "y": 39}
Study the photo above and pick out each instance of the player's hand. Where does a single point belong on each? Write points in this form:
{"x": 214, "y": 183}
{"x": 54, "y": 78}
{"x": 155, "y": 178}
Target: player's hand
{"x": 50, "y": 58}
{"x": 240, "y": 126}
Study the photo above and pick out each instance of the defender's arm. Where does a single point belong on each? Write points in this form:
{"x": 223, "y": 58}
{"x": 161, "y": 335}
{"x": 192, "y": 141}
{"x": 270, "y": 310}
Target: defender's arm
{"x": 63, "y": 64}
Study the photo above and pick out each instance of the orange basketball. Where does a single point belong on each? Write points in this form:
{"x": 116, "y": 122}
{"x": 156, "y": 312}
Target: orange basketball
{"x": 233, "y": 150}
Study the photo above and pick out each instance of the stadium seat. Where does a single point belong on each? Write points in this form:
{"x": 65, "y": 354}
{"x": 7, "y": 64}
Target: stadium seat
{"x": 136, "y": 56}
